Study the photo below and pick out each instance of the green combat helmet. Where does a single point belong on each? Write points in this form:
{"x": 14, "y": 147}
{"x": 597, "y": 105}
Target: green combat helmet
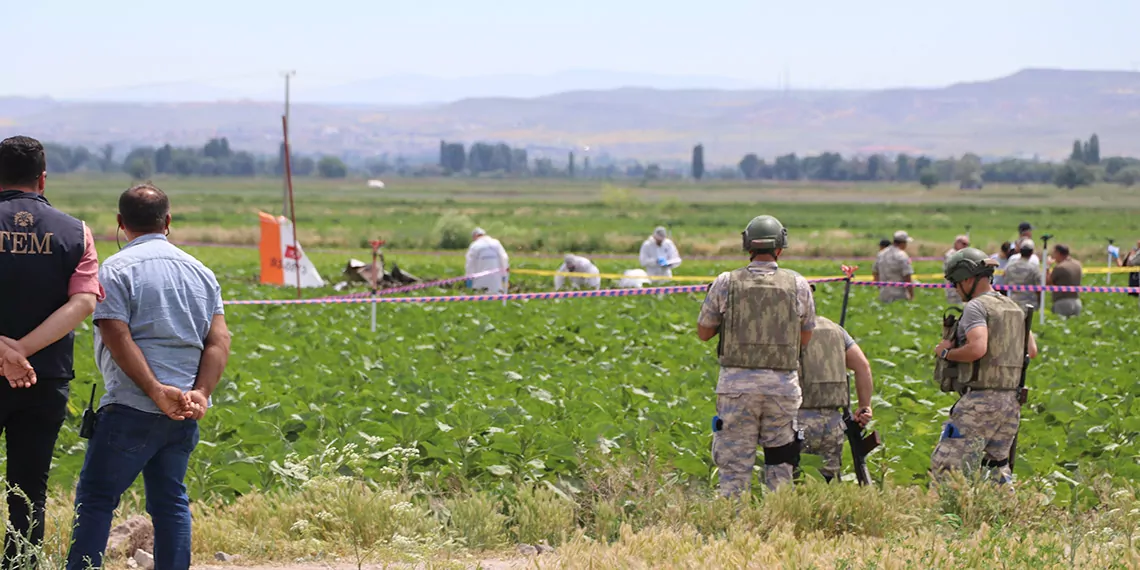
{"x": 967, "y": 263}
{"x": 764, "y": 232}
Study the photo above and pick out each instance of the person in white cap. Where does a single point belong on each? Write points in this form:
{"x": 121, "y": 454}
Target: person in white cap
{"x": 893, "y": 265}
{"x": 577, "y": 264}
{"x": 1024, "y": 234}
{"x": 659, "y": 255}
{"x": 486, "y": 254}
{"x": 1024, "y": 270}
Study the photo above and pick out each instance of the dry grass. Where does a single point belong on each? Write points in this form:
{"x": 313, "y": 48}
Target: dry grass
{"x": 784, "y": 548}
{"x": 621, "y": 518}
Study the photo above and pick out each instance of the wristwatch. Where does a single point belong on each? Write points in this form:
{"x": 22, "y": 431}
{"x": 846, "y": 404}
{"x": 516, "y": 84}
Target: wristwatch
{"x": 945, "y": 351}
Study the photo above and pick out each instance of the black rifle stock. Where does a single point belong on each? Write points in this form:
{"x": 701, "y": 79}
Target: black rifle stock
{"x": 1022, "y": 391}
{"x": 861, "y": 444}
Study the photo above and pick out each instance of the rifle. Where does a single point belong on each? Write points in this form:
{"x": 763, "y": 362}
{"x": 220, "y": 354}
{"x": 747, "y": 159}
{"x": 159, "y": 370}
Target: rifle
{"x": 1022, "y": 391}
{"x": 861, "y": 445}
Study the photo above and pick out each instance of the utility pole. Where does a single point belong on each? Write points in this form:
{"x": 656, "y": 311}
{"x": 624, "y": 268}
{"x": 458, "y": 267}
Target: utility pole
{"x": 286, "y": 163}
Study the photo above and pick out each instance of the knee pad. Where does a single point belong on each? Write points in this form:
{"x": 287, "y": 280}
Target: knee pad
{"x": 785, "y": 454}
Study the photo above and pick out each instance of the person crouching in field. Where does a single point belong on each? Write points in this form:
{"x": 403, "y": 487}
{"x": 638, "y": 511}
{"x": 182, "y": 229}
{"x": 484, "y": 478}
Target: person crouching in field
{"x": 162, "y": 344}
{"x": 577, "y": 264}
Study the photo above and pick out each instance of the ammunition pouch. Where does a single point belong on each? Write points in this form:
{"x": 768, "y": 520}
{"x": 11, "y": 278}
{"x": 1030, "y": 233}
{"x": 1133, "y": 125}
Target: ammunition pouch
{"x": 945, "y": 372}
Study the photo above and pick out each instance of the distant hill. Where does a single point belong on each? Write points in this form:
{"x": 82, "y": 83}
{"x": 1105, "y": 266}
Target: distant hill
{"x": 413, "y": 89}
{"x": 1032, "y": 112}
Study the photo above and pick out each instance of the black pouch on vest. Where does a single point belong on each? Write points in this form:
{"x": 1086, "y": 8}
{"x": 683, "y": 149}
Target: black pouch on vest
{"x": 87, "y": 428}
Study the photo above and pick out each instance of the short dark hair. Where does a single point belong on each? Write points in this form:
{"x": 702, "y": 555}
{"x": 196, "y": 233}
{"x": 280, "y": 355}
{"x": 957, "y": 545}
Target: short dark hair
{"x": 1006, "y": 247}
{"x": 755, "y": 252}
{"x": 1061, "y": 249}
{"x": 144, "y": 208}
{"x": 22, "y": 161}
{"x": 884, "y": 243}
{"x": 1026, "y": 252}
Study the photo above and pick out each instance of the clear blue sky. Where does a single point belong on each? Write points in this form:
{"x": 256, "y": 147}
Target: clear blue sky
{"x": 68, "y": 48}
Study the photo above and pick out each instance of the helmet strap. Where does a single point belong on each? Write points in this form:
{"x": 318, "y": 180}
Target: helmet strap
{"x": 973, "y": 288}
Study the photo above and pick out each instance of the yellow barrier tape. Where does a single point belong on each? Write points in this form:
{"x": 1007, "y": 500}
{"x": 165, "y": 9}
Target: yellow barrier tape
{"x": 1086, "y": 270}
{"x": 548, "y": 273}
{"x": 707, "y": 279}
{"x": 1103, "y": 270}
{"x": 690, "y": 278}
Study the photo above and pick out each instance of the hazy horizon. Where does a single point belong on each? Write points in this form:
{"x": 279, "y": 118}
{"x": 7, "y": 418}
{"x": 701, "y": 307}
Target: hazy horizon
{"x": 438, "y": 50}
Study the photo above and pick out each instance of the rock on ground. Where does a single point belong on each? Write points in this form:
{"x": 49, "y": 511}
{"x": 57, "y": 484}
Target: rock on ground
{"x": 136, "y": 533}
{"x": 144, "y": 560}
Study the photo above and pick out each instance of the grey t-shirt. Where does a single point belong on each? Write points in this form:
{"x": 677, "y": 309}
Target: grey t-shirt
{"x": 848, "y": 342}
{"x": 973, "y": 316}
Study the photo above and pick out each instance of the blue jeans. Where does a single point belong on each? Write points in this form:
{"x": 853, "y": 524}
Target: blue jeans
{"x": 128, "y": 442}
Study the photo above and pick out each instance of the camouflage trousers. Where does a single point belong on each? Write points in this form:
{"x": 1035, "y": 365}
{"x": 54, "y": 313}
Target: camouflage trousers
{"x": 823, "y": 436}
{"x": 1067, "y": 307}
{"x": 750, "y": 419}
{"x": 979, "y": 433}
{"x": 892, "y": 294}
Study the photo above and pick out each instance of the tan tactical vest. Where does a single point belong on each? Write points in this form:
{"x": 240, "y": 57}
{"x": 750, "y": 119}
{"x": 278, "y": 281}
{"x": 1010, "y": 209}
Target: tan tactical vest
{"x": 761, "y": 327}
{"x": 1000, "y": 368}
{"x": 823, "y": 370}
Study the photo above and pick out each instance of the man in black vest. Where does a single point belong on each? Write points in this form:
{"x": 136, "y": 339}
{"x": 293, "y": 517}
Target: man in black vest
{"x": 48, "y": 286}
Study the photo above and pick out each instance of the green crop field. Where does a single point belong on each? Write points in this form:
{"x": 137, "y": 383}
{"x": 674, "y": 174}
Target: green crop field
{"x": 594, "y": 216}
{"x": 451, "y": 400}
{"x": 543, "y": 390}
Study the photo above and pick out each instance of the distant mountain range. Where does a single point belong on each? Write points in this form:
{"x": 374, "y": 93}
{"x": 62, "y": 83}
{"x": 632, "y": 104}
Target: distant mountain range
{"x": 1032, "y": 112}
{"x": 410, "y": 89}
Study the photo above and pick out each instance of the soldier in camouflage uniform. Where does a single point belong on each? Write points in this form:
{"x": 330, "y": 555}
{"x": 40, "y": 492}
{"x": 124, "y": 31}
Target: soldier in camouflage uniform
{"x": 987, "y": 357}
{"x": 1023, "y": 271}
{"x": 893, "y": 265}
{"x": 960, "y": 243}
{"x": 764, "y": 315}
{"x": 823, "y": 381}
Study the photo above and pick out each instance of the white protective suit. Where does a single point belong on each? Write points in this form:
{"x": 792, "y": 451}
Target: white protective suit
{"x": 634, "y": 278}
{"x": 485, "y": 254}
{"x": 577, "y": 264}
{"x": 652, "y": 256}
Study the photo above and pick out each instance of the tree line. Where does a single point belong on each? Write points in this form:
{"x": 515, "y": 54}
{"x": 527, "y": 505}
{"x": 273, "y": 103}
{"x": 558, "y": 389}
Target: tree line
{"x": 494, "y": 159}
{"x": 215, "y": 158}
{"x": 1084, "y": 167}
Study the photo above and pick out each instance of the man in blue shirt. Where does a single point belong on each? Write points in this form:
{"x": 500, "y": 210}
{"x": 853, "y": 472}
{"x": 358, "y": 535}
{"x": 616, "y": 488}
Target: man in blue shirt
{"x": 161, "y": 344}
